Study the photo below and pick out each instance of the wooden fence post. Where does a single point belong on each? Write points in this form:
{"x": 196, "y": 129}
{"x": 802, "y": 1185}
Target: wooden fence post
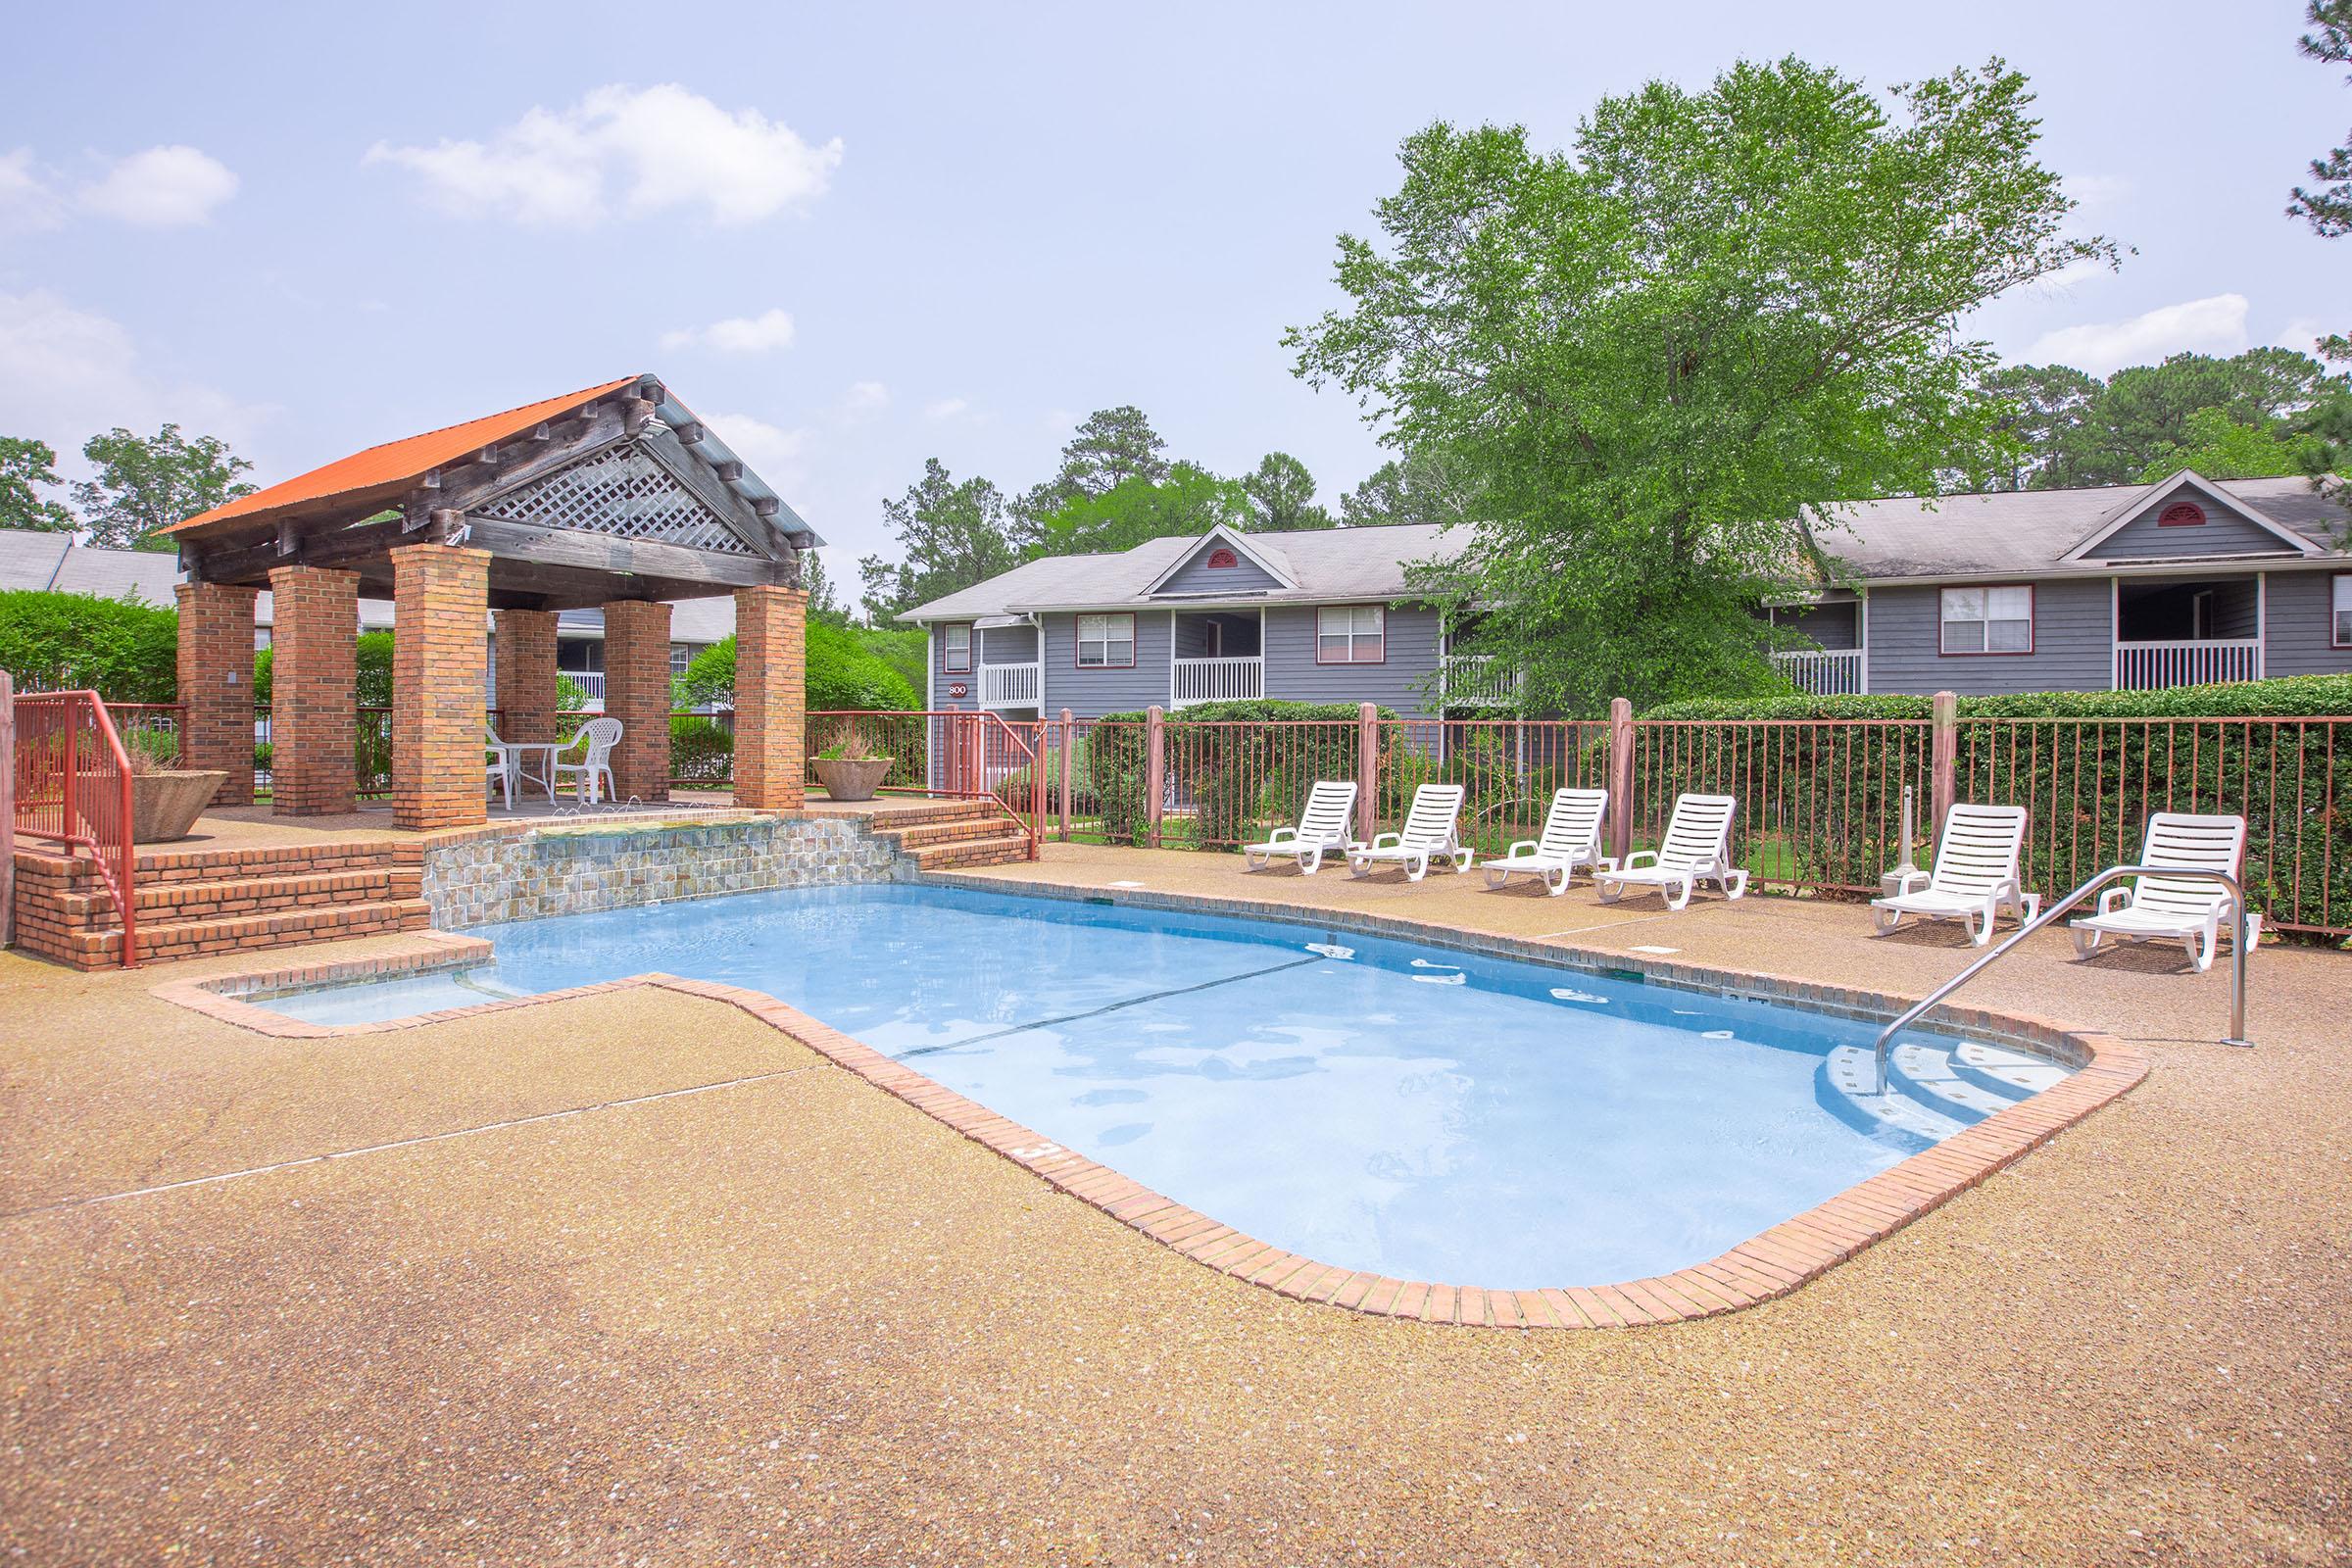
{"x": 1156, "y": 771}
{"x": 1367, "y": 770}
{"x": 1066, "y": 775}
{"x": 1621, "y": 778}
{"x": 8, "y": 811}
{"x": 1944, "y": 756}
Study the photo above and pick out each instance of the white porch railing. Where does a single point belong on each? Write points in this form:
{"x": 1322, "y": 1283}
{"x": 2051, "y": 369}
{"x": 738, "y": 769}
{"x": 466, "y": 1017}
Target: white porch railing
{"x": 1824, "y": 671}
{"x": 1480, "y": 680}
{"x": 2153, "y": 666}
{"x": 1011, "y": 685}
{"x": 1218, "y": 681}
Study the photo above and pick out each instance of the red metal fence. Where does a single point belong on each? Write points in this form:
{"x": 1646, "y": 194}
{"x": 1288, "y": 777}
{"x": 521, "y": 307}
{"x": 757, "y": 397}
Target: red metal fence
{"x": 966, "y": 755}
{"x": 72, "y": 787}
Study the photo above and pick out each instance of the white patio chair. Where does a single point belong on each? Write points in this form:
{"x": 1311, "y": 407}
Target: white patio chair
{"x": 500, "y": 766}
{"x": 1975, "y": 875}
{"x": 1697, "y": 849}
{"x": 2191, "y": 911}
{"x": 1429, "y": 831}
{"x": 598, "y": 736}
{"x": 1571, "y": 838}
{"x": 1323, "y": 828}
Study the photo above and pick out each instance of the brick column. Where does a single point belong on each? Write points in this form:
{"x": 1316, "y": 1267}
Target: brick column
{"x": 526, "y": 675}
{"x": 771, "y": 762}
{"x": 440, "y": 597}
{"x": 314, "y": 682}
{"x": 215, "y": 682}
{"x": 637, "y": 693}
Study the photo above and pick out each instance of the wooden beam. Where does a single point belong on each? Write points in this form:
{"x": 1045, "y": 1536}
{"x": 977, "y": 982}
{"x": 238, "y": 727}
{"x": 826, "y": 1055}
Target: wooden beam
{"x": 288, "y": 540}
{"x": 766, "y": 506}
{"x": 704, "y": 485}
{"x": 729, "y": 471}
{"x": 617, "y": 556}
{"x": 692, "y": 433}
{"x": 340, "y": 547}
{"x": 476, "y": 485}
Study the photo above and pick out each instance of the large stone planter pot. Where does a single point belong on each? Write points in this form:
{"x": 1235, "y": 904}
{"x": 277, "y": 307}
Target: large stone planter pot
{"x": 852, "y": 779}
{"x": 165, "y": 804}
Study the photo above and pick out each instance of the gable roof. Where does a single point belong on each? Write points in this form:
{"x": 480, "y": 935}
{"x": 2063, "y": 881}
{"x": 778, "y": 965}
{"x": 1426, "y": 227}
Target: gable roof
{"x": 1263, "y": 555}
{"x": 1323, "y": 565}
{"x": 2125, "y": 514}
{"x": 2035, "y": 533}
{"x": 397, "y": 465}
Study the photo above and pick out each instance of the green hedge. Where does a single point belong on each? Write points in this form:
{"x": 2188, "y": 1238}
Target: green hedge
{"x": 124, "y": 652}
{"x": 1246, "y": 766}
{"x": 2293, "y": 697}
{"x": 702, "y": 751}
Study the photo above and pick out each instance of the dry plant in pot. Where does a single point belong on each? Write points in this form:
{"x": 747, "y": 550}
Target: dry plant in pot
{"x": 164, "y": 799}
{"x": 848, "y": 769}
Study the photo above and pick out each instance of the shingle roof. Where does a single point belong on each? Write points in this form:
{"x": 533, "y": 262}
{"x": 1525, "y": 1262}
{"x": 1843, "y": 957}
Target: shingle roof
{"x": 396, "y": 463}
{"x": 1328, "y": 565}
{"x": 2029, "y": 532}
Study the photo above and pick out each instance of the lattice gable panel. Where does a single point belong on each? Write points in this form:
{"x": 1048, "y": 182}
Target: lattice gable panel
{"x": 622, "y": 491}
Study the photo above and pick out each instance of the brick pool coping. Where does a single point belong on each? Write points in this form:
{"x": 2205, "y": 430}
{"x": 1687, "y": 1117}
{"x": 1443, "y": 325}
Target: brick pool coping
{"x": 1766, "y": 1266}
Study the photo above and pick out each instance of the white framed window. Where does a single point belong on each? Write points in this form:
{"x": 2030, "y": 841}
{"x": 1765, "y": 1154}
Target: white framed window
{"x": 2341, "y": 606}
{"x": 1106, "y": 642}
{"x": 957, "y": 641}
{"x": 681, "y": 655}
{"x": 1989, "y": 621}
{"x": 1352, "y": 634}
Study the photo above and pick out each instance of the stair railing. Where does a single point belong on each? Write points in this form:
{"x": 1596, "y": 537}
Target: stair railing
{"x": 72, "y": 787}
{"x": 2242, "y": 925}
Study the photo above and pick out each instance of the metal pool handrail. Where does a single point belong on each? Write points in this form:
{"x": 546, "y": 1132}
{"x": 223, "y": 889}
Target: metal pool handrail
{"x": 2238, "y": 951}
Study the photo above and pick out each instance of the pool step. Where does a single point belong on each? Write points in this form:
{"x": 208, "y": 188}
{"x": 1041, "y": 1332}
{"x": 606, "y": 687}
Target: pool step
{"x": 1932, "y": 1092}
{"x": 203, "y": 901}
{"x": 954, "y": 835}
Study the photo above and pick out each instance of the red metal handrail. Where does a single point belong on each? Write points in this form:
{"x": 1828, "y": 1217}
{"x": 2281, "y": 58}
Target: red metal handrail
{"x": 73, "y": 788}
{"x": 957, "y": 753}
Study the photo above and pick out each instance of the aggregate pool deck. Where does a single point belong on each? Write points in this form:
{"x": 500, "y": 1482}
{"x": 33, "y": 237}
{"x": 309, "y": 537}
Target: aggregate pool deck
{"x": 631, "y": 1277}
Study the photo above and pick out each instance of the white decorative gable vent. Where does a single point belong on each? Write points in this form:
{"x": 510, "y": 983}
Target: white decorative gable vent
{"x": 622, "y": 490}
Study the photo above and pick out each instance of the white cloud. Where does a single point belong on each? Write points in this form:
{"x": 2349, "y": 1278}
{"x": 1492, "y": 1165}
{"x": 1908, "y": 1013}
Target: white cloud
{"x": 866, "y": 397}
{"x": 637, "y": 151}
{"x": 772, "y": 452}
{"x": 74, "y": 374}
{"x": 2215, "y": 325}
{"x": 2093, "y": 193}
{"x": 763, "y": 333}
{"x": 26, "y": 200}
{"x": 2301, "y": 334}
{"x": 944, "y": 408}
{"x": 163, "y": 187}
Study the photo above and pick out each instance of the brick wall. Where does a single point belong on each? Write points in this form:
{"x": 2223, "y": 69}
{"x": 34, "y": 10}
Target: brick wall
{"x": 216, "y": 681}
{"x": 439, "y": 601}
{"x": 312, "y": 678}
{"x": 637, "y": 693}
{"x": 770, "y": 667}
{"x": 526, "y": 674}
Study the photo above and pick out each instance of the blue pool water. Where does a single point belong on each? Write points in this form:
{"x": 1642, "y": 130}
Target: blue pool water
{"x": 1409, "y": 1110}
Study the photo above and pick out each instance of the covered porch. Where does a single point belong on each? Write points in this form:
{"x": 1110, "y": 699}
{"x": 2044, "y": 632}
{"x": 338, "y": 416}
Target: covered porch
{"x": 615, "y": 498}
{"x": 2188, "y": 632}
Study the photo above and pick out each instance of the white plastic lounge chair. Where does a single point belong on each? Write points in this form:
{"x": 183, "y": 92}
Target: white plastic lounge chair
{"x": 2191, "y": 911}
{"x": 1697, "y": 849}
{"x": 1323, "y": 828}
{"x": 1429, "y": 831}
{"x": 599, "y": 736}
{"x": 1976, "y": 874}
{"x": 1571, "y": 838}
{"x": 500, "y": 769}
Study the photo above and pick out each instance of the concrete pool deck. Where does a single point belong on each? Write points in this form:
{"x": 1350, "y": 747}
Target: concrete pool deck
{"x": 631, "y": 1275}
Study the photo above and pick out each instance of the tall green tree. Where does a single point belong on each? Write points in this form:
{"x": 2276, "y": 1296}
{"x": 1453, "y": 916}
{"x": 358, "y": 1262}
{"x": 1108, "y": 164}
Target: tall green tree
{"x": 2328, "y": 205}
{"x": 1281, "y": 496}
{"x": 2221, "y": 447}
{"x": 951, "y": 534}
{"x": 824, "y": 600}
{"x": 1110, "y": 446}
{"x": 1186, "y": 500}
{"x": 2046, "y": 411}
{"x": 26, "y": 469}
{"x": 1419, "y": 487}
{"x": 1725, "y": 308}
{"x": 146, "y": 483}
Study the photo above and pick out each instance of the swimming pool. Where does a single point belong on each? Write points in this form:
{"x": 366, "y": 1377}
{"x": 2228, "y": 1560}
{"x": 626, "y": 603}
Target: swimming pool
{"x": 1386, "y": 1106}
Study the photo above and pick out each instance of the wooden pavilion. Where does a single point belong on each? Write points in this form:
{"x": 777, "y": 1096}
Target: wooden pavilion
{"x": 614, "y": 496}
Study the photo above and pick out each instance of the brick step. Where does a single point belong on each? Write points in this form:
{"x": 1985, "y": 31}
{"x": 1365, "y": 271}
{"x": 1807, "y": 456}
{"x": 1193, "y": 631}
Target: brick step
{"x": 999, "y": 849}
{"x": 279, "y": 928}
{"x": 244, "y": 895}
{"x": 280, "y": 860}
{"x": 953, "y": 830}
{"x": 895, "y": 818}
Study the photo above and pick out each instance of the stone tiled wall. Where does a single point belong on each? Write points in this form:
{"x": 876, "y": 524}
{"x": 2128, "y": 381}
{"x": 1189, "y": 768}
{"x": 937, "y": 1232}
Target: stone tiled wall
{"x": 479, "y": 880}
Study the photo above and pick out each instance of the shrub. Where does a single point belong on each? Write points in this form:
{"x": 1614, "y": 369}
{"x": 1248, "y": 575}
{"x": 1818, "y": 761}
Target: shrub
{"x": 839, "y": 675}
{"x": 701, "y": 751}
{"x": 126, "y": 651}
{"x": 372, "y": 661}
{"x": 1245, "y": 767}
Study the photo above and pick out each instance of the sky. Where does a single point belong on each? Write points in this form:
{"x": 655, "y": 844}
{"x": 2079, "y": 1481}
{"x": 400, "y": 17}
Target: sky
{"x": 854, "y": 237}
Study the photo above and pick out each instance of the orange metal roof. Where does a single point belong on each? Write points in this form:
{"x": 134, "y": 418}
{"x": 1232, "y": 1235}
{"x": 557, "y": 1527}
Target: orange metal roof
{"x": 396, "y": 463}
